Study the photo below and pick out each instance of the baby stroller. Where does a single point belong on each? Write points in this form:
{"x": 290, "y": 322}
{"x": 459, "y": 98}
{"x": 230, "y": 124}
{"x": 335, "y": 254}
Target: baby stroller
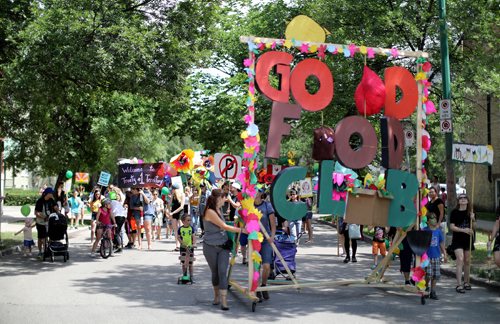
{"x": 57, "y": 243}
{"x": 288, "y": 248}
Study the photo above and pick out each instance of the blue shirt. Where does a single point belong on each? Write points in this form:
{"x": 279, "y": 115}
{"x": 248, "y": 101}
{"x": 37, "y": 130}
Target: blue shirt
{"x": 434, "y": 251}
{"x": 149, "y": 209}
{"x": 266, "y": 209}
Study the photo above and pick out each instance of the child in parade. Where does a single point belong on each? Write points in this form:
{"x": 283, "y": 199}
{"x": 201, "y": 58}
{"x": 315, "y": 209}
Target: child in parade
{"x": 28, "y": 236}
{"x": 434, "y": 253}
{"x": 378, "y": 244}
{"x": 187, "y": 240}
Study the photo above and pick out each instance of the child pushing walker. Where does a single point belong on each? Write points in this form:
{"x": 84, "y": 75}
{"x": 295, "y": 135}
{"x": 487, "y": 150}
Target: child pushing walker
{"x": 187, "y": 240}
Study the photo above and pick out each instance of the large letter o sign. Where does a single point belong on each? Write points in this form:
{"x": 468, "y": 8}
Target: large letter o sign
{"x": 318, "y": 69}
{"x": 355, "y": 158}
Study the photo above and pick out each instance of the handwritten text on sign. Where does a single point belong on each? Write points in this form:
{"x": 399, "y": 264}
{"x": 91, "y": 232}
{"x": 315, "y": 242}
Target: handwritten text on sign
{"x": 140, "y": 175}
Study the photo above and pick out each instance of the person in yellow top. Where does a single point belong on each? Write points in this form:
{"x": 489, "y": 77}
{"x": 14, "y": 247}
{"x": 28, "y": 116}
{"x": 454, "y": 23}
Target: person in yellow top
{"x": 94, "y": 204}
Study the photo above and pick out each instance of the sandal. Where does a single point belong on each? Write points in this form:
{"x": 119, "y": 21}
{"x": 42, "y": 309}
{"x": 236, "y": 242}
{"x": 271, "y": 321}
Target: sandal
{"x": 460, "y": 289}
{"x": 467, "y": 286}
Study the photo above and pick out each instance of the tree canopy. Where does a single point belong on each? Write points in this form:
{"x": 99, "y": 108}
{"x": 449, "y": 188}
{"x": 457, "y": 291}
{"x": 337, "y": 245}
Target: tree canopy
{"x": 83, "y": 83}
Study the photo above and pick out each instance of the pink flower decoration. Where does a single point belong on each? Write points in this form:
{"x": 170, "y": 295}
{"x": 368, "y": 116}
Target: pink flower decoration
{"x": 370, "y": 53}
{"x": 394, "y": 52}
{"x": 418, "y": 274}
{"x": 353, "y": 49}
{"x": 426, "y": 67}
{"x": 247, "y": 62}
{"x": 426, "y": 92}
{"x": 424, "y": 257}
{"x": 424, "y": 201}
{"x": 430, "y": 108}
{"x": 250, "y": 191}
{"x": 262, "y": 46}
{"x": 321, "y": 51}
{"x": 252, "y": 226}
{"x": 338, "y": 178}
{"x": 304, "y": 48}
{"x": 248, "y": 119}
{"x": 251, "y": 89}
{"x": 273, "y": 45}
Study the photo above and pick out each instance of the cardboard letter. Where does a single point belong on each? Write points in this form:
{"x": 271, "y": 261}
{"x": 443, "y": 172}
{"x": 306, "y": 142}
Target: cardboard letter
{"x": 288, "y": 210}
{"x": 402, "y": 78}
{"x": 278, "y": 127}
{"x": 280, "y": 63}
{"x": 361, "y": 156}
{"x": 318, "y": 69}
{"x": 403, "y": 186}
{"x": 326, "y": 205}
{"x": 392, "y": 142}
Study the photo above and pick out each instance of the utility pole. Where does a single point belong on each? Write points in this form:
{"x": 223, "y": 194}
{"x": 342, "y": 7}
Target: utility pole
{"x": 445, "y": 72}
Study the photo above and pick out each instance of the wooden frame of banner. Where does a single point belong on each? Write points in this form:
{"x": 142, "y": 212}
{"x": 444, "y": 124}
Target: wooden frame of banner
{"x": 375, "y": 278}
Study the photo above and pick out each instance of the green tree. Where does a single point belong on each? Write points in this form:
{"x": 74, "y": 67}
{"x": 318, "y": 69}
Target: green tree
{"x": 78, "y": 69}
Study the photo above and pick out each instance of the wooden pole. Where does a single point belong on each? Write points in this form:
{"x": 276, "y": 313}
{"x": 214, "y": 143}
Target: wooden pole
{"x": 472, "y": 211}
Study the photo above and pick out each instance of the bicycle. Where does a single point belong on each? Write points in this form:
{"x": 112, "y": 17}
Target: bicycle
{"x": 106, "y": 248}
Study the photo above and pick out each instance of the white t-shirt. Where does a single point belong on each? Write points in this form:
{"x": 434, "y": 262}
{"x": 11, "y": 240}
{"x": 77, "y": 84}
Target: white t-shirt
{"x": 28, "y": 234}
{"x": 159, "y": 206}
{"x": 117, "y": 208}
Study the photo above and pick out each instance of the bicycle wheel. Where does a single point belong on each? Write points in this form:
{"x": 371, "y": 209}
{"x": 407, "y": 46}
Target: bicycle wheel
{"x": 105, "y": 249}
{"x": 119, "y": 242}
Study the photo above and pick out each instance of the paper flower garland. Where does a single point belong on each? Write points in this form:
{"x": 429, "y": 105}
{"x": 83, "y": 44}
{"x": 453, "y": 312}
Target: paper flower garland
{"x": 247, "y": 178}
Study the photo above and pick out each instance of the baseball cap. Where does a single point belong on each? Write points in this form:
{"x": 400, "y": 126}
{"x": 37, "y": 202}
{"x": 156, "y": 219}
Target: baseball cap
{"x": 236, "y": 185}
{"x": 47, "y": 191}
{"x": 175, "y": 185}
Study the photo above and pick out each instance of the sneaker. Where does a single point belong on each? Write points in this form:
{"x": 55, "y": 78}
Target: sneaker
{"x": 347, "y": 259}
{"x": 265, "y": 294}
{"x": 259, "y": 295}
{"x": 354, "y": 259}
{"x": 40, "y": 255}
{"x": 433, "y": 295}
{"x": 373, "y": 266}
{"x": 92, "y": 254}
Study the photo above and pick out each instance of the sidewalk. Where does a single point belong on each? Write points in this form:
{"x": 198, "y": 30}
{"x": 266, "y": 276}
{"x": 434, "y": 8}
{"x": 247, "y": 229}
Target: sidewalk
{"x": 12, "y": 221}
{"x": 449, "y": 268}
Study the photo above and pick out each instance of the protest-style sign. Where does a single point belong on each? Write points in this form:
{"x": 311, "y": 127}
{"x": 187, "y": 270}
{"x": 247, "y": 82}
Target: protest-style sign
{"x": 140, "y": 175}
{"x": 104, "y": 178}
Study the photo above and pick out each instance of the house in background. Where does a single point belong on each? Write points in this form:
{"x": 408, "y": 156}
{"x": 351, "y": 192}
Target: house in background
{"x": 484, "y": 130}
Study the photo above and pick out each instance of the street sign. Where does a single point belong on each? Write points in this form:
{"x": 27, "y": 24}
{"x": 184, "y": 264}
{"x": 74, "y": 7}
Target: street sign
{"x": 409, "y": 137}
{"x": 445, "y": 109}
{"x": 104, "y": 179}
{"x": 446, "y": 126}
{"x": 227, "y": 166}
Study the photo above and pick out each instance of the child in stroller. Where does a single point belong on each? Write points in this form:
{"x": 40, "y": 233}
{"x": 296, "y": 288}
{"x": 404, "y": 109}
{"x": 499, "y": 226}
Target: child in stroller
{"x": 57, "y": 244}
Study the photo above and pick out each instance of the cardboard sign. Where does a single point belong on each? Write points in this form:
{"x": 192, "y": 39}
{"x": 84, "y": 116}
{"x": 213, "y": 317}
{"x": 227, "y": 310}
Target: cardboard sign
{"x": 306, "y": 188}
{"x": 227, "y": 166}
{"x": 81, "y": 177}
{"x": 104, "y": 179}
{"x": 140, "y": 175}
{"x": 469, "y": 153}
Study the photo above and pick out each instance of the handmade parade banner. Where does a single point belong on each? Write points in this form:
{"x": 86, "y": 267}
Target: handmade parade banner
{"x": 140, "y": 175}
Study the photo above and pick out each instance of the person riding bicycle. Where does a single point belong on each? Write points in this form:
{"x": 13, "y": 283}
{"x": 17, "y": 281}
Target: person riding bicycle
{"x": 104, "y": 221}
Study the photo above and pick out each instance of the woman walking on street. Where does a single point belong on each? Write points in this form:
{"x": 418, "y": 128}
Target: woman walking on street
{"x": 460, "y": 224}
{"x": 215, "y": 246}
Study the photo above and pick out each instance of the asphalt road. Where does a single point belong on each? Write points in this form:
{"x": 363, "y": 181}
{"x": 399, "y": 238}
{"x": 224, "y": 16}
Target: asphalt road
{"x": 141, "y": 287}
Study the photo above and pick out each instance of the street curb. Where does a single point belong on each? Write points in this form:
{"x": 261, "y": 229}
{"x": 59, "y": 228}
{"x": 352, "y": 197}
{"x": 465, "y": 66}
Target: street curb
{"x": 18, "y": 248}
{"x": 483, "y": 282}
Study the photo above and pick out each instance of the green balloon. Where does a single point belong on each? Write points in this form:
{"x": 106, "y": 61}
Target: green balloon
{"x": 25, "y": 210}
{"x": 112, "y": 195}
{"x": 165, "y": 191}
{"x": 69, "y": 174}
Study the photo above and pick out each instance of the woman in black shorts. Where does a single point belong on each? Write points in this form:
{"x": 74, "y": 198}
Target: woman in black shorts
{"x": 178, "y": 199}
{"x": 495, "y": 236}
{"x": 460, "y": 224}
